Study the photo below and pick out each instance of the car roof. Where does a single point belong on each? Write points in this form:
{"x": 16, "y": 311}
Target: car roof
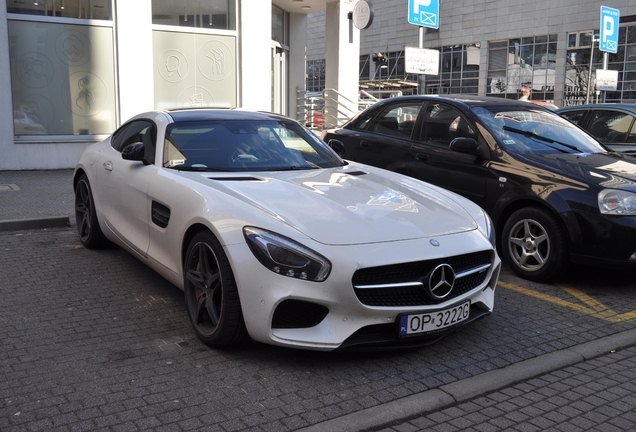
{"x": 469, "y": 101}
{"x": 223, "y": 114}
{"x": 624, "y": 106}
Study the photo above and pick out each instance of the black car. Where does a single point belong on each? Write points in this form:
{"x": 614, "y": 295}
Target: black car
{"x": 612, "y": 124}
{"x": 555, "y": 194}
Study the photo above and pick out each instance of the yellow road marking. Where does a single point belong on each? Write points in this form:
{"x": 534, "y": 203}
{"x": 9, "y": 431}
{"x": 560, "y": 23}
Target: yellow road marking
{"x": 593, "y": 308}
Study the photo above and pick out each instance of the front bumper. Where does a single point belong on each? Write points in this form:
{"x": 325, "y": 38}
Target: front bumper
{"x": 333, "y": 315}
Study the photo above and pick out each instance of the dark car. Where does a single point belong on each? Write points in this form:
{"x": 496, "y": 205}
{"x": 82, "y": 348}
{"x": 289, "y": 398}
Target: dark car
{"x": 555, "y": 194}
{"x": 612, "y": 124}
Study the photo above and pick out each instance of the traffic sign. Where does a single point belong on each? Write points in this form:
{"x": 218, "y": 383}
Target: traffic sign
{"x": 421, "y": 61}
{"x": 609, "y": 29}
{"x": 424, "y": 13}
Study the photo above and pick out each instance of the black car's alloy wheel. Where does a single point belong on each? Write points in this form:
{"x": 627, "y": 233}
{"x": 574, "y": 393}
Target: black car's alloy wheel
{"x": 534, "y": 244}
{"x": 211, "y": 294}
{"x": 88, "y": 229}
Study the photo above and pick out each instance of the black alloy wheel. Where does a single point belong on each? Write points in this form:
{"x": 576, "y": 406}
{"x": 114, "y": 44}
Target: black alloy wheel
{"x": 535, "y": 244}
{"x": 211, "y": 294}
{"x": 90, "y": 234}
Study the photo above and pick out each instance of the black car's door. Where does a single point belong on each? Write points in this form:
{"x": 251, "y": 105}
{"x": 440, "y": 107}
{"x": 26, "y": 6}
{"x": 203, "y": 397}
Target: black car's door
{"x": 432, "y": 160}
{"x": 383, "y": 138}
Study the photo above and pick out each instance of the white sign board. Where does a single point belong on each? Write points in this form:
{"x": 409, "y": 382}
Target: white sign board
{"x": 606, "y": 80}
{"x": 421, "y": 61}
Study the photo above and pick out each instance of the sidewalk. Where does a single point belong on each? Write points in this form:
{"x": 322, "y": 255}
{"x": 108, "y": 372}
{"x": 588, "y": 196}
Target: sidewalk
{"x": 591, "y": 386}
{"x": 36, "y": 199}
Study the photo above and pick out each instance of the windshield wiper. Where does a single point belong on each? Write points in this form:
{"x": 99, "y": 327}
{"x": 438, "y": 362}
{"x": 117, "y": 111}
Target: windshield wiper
{"x": 542, "y": 138}
{"x": 292, "y": 168}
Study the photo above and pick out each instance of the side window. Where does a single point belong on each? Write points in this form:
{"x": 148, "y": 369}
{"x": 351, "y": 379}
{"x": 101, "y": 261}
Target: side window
{"x": 396, "y": 120}
{"x": 631, "y": 138}
{"x": 142, "y": 131}
{"x": 610, "y": 126}
{"x": 574, "y": 116}
{"x": 443, "y": 123}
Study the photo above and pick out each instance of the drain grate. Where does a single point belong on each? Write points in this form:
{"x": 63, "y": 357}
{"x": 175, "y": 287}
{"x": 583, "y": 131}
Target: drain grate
{"x": 9, "y": 187}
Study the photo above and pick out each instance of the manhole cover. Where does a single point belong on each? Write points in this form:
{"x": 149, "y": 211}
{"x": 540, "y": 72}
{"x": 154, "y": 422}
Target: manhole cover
{"x": 9, "y": 187}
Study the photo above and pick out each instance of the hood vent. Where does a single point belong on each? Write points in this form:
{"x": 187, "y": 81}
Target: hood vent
{"x": 356, "y": 173}
{"x": 235, "y": 178}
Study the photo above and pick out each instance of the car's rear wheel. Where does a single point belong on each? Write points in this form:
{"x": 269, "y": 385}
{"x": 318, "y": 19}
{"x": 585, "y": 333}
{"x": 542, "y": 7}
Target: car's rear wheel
{"x": 88, "y": 229}
{"x": 211, "y": 294}
{"x": 535, "y": 244}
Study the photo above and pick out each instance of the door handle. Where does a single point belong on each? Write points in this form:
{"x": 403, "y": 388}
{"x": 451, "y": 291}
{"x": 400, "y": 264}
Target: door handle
{"x": 108, "y": 166}
{"x": 364, "y": 144}
{"x": 421, "y": 157}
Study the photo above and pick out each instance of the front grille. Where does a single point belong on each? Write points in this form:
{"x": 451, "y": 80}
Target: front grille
{"x": 413, "y": 272}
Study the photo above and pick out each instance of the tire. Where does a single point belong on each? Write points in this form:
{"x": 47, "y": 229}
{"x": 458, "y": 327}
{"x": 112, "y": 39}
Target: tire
{"x": 211, "y": 294}
{"x": 90, "y": 234}
{"x": 534, "y": 244}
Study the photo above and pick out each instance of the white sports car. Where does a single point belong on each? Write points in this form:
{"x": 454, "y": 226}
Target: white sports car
{"x": 272, "y": 236}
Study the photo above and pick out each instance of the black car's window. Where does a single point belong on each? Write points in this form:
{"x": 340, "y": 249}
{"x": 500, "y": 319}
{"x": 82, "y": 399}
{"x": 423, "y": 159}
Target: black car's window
{"x": 142, "y": 131}
{"x": 443, "y": 123}
{"x": 535, "y": 131}
{"x": 574, "y": 116}
{"x": 245, "y": 145}
{"x": 631, "y": 138}
{"x": 610, "y": 126}
{"x": 396, "y": 120}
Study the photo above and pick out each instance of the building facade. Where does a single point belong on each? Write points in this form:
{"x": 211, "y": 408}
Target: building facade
{"x": 492, "y": 48}
{"x": 73, "y": 71}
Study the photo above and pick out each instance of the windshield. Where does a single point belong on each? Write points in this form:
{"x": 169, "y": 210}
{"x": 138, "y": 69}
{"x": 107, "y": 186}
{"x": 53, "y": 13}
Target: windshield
{"x": 245, "y": 145}
{"x": 535, "y": 131}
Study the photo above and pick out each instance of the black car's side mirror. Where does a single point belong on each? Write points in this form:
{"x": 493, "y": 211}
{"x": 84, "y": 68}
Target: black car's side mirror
{"x": 134, "y": 152}
{"x": 469, "y": 146}
{"x": 337, "y": 146}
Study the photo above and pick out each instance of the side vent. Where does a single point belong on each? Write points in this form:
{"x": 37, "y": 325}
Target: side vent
{"x": 160, "y": 214}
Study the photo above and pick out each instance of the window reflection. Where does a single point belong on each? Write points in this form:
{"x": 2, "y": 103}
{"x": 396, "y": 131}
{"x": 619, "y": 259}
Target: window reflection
{"x": 85, "y": 9}
{"x": 211, "y": 14}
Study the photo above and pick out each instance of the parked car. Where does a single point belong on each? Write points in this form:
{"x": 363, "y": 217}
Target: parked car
{"x": 554, "y": 192}
{"x": 612, "y": 124}
{"x": 272, "y": 235}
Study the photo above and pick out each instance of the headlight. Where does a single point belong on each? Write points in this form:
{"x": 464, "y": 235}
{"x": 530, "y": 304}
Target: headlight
{"x": 285, "y": 256}
{"x": 617, "y": 202}
{"x": 487, "y": 228}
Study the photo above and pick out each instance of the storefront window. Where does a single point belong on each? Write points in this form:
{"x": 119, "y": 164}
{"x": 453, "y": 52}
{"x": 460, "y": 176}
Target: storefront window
{"x": 210, "y": 14}
{"x": 194, "y": 70}
{"x": 62, "y": 78}
{"x": 84, "y": 9}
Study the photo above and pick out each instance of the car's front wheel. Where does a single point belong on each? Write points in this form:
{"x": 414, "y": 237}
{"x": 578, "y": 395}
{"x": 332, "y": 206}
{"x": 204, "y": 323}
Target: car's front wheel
{"x": 211, "y": 293}
{"x": 90, "y": 234}
{"x": 534, "y": 244}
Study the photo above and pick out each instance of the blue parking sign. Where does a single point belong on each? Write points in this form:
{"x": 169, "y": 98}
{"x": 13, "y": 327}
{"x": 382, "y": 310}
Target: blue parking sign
{"x": 609, "y": 29}
{"x": 424, "y": 13}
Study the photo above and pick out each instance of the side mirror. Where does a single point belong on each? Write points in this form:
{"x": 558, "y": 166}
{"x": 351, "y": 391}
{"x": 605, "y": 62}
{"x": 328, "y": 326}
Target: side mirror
{"x": 134, "y": 152}
{"x": 469, "y": 146}
{"x": 337, "y": 146}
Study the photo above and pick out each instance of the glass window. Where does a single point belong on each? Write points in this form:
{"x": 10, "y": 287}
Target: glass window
{"x": 210, "y": 14}
{"x": 279, "y": 25}
{"x": 397, "y": 120}
{"x": 610, "y": 126}
{"x": 194, "y": 70}
{"x": 85, "y": 9}
{"x": 443, "y": 123}
{"x": 140, "y": 131}
{"x": 62, "y": 78}
{"x": 574, "y": 116}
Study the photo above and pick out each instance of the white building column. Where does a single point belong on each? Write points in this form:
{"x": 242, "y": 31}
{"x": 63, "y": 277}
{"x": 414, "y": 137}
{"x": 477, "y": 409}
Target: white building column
{"x": 135, "y": 57}
{"x": 297, "y": 60}
{"x": 342, "y": 61}
{"x": 255, "y": 54}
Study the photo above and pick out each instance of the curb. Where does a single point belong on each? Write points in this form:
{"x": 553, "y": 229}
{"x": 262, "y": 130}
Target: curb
{"x": 448, "y": 395}
{"x": 39, "y": 223}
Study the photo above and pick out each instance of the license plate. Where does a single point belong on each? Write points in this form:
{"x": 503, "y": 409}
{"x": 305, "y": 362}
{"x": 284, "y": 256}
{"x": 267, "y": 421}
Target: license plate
{"x": 412, "y": 324}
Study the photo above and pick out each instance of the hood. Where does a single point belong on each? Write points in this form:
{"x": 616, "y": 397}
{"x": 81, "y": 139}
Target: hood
{"x": 349, "y": 205}
{"x": 606, "y": 170}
